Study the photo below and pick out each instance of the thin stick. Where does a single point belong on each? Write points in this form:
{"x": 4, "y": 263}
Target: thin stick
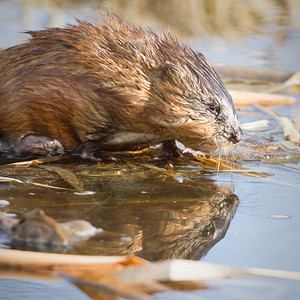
{"x": 22, "y": 258}
{"x": 245, "y": 99}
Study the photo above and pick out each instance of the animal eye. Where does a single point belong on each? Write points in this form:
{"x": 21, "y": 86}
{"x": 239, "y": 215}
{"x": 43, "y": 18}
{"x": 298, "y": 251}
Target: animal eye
{"x": 213, "y": 108}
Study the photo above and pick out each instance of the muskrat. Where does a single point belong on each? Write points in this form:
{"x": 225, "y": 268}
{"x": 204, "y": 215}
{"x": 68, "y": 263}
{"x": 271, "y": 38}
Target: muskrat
{"x": 112, "y": 87}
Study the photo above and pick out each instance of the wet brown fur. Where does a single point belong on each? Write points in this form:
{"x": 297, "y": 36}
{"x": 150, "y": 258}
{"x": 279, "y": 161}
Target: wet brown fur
{"x": 86, "y": 83}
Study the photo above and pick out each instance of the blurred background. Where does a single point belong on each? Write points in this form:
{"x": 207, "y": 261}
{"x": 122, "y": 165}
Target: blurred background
{"x": 253, "y": 33}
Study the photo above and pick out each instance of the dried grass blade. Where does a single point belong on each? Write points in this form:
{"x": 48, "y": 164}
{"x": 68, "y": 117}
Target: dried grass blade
{"x": 9, "y": 179}
{"x": 67, "y": 176}
{"x": 212, "y": 163}
{"x": 37, "y": 161}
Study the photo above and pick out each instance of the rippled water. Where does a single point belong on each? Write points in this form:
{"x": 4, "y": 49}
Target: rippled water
{"x": 222, "y": 218}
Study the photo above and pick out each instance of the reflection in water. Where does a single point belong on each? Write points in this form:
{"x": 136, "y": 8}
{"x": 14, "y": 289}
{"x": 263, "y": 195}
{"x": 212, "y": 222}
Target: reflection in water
{"x": 160, "y": 219}
{"x": 143, "y": 209}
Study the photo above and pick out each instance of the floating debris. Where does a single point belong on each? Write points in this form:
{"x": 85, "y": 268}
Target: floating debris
{"x": 279, "y": 216}
{"x": 85, "y": 193}
{"x": 246, "y": 99}
{"x": 292, "y": 81}
{"x": 78, "y": 230}
{"x": 9, "y": 179}
{"x": 37, "y": 231}
{"x": 255, "y": 125}
{"x": 67, "y": 176}
{"x": 127, "y": 277}
{"x": 220, "y": 165}
{"x": 4, "y": 203}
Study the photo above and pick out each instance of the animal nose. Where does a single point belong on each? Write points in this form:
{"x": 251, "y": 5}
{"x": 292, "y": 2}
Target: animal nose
{"x": 236, "y": 135}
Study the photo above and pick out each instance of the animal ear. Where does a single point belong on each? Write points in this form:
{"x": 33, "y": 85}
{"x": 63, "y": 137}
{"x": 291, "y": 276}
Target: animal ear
{"x": 165, "y": 70}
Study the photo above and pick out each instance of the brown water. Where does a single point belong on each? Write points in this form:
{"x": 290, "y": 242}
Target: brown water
{"x": 191, "y": 213}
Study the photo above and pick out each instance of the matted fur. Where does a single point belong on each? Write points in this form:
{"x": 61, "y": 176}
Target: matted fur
{"x": 115, "y": 84}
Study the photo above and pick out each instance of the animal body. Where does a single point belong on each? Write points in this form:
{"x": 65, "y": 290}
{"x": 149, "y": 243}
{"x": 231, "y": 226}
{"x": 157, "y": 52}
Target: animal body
{"x": 110, "y": 87}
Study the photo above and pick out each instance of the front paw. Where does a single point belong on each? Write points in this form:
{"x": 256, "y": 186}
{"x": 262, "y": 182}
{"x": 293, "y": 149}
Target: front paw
{"x": 38, "y": 145}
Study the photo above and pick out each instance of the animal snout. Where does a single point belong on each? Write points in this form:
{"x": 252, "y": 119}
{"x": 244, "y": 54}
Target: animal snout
{"x": 236, "y": 135}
